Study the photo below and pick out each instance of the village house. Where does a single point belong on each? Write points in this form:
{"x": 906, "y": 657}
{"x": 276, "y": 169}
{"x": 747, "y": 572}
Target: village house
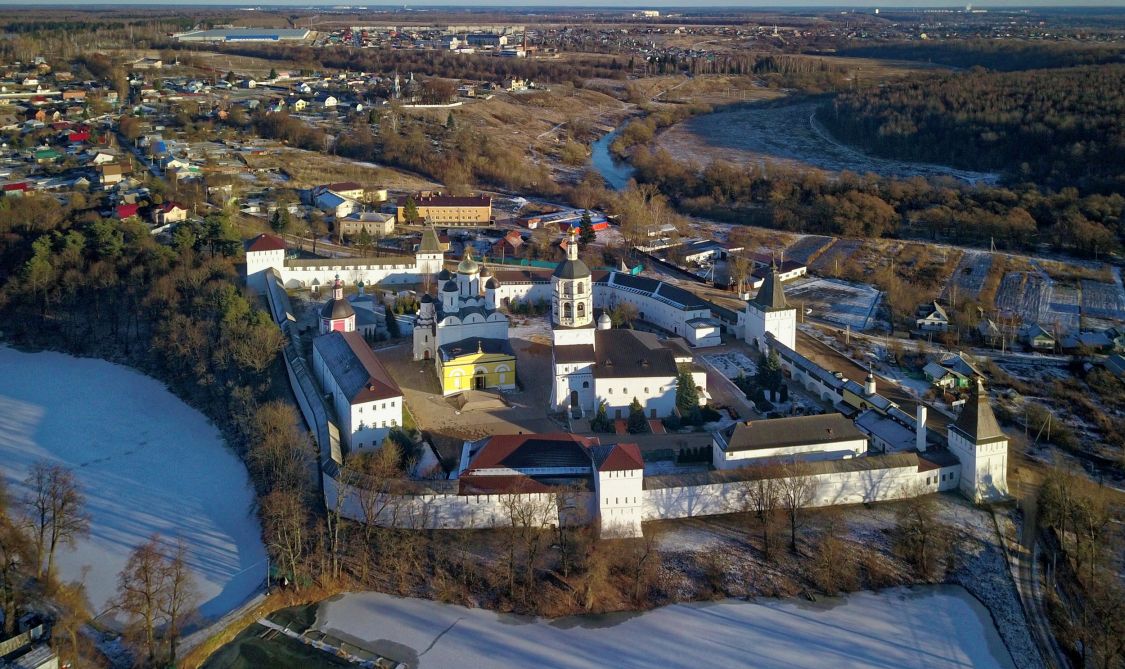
{"x": 169, "y": 212}
{"x": 931, "y": 317}
{"x": 952, "y": 370}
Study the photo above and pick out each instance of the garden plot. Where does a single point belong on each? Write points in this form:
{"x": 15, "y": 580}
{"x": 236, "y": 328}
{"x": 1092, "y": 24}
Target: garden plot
{"x": 1103, "y": 300}
{"x": 848, "y": 304}
{"x": 808, "y": 248}
{"x": 836, "y": 255}
{"x": 1036, "y": 298}
{"x": 968, "y": 278}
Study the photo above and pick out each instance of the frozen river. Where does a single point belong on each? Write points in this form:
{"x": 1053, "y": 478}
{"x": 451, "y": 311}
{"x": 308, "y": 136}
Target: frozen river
{"x": 147, "y": 463}
{"x": 786, "y": 133}
{"x": 933, "y": 627}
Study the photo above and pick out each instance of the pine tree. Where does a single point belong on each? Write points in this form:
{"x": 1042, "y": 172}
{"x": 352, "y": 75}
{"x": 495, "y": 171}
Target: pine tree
{"x": 410, "y": 210}
{"x": 687, "y": 396}
{"x": 586, "y": 228}
{"x": 637, "y": 421}
{"x": 273, "y": 74}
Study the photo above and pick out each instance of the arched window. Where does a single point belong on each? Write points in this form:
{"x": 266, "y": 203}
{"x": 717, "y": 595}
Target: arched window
{"x": 585, "y": 384}
{"x": 581, "y": 310}
{"x": 579, "y": 288}
{"x": 567, "y": 313}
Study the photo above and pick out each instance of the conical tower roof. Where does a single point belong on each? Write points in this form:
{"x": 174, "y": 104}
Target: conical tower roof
{"x": 430, "y": 242}
{"x": 771, "y": 296}
{"x": 977, "y": 423}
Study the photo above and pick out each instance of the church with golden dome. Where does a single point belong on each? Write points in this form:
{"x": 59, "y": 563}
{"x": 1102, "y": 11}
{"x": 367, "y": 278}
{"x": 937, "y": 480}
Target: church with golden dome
{"x": 464, "y": 333}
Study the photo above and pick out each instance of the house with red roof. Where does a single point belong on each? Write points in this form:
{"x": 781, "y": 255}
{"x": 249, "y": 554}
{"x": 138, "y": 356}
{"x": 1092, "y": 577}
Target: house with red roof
{"x": 78, "y": 136}
{"x": 124, "y": 211}
{"x": 169, "y": 212}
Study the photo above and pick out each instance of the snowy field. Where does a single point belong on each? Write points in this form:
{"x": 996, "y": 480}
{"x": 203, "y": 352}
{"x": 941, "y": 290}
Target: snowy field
{"x": 147, "y": 463}
{"x": 939, "y": 627}
{"x": 732, "y": 364}
{"x": 835, "y": 300}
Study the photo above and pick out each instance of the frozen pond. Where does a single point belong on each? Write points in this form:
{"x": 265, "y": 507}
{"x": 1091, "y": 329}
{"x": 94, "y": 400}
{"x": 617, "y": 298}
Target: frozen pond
{"x": 936, "y": 627}
{"x": 786, "y": 133}
{"x": 147, "y": 463}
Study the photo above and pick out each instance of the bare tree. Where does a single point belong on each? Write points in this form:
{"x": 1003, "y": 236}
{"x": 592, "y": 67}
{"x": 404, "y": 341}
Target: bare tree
{"x": 528, "y": 515}
{"x": 140, "y": 591}
{"x": 179, "y": 597}
{"x": 16, "y": 554}
{"x": 286, "y": 523}
{"x": 279, "y": 453}
{"x": 797, "y": 490}
{"x": 919, "y": 536}
{"x": 763, "y": 496}
{"x": 73, "y": 615}
{"x": 54, "y": 509}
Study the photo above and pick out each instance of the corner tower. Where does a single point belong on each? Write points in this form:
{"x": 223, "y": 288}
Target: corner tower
{"x": 770, "y": 312}
{"x": 979, "y": 443}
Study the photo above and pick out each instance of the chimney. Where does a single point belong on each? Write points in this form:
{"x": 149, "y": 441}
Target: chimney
{"x": 920, "y": 429}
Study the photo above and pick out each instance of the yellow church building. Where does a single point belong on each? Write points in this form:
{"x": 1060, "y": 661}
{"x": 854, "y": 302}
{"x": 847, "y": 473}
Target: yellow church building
{"x": 476, "y": 364}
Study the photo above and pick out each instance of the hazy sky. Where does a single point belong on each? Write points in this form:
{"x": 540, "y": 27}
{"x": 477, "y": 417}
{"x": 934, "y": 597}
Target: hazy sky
{"x": 655, "y": 4}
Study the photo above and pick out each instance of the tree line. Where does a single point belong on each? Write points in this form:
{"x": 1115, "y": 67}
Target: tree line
{"x": 432, "y": 63}
{"x": 851, "y": 205}
{"x": 1003, "y": 55}
{"x": 1060, "y": 127}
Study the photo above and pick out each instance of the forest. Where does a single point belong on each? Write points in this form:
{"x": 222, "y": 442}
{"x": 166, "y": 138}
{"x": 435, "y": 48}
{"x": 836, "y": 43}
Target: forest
{"x": 852, "y": 205}
{"x": 432, "y": 63}
{"x": 1058, "y": 128}
{"x": 1003, "y": 55}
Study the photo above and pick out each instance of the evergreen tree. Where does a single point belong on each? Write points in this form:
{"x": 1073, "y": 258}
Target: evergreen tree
{"x": 410, "y": 210}
{"x": 279, "y": 223}
{"x": 600, "y": 421}
{"x": 769, "y": 372}
{"x": 273, "y": 74}
{"x": 687, "y": 397}
{"x": 637, "y": 421}
{"x": 586, "y": 229}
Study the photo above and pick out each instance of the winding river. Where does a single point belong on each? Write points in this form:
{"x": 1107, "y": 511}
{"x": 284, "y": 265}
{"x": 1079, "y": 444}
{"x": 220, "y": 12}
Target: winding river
{"x": 780, "y": 133}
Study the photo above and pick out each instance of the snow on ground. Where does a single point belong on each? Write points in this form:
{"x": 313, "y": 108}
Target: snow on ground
{"x": 936, "y": 627}
{"x": 147, "y": 463}
{"x": 835, "y": 300}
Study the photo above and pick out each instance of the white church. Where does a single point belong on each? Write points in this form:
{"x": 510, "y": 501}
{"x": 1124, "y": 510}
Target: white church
{"x": 600, "y": 364}
{"x": 464, "y": 309}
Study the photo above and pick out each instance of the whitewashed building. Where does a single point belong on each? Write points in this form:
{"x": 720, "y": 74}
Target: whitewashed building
{"x": 804, "y": 438}
{"x": 769, "y": 312}
{"x": 367, "y": 400}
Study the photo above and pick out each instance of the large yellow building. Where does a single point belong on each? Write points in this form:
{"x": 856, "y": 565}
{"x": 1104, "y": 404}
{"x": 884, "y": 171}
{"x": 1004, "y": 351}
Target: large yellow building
{"x": 476, "y": 364}
{"x": 449, "y": 210}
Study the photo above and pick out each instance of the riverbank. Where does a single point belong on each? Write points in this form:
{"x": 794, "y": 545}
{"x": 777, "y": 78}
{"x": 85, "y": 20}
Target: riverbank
{"x": 933, "y": 626}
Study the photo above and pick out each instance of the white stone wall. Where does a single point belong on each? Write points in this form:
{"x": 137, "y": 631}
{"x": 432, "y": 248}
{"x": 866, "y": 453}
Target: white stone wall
{"x": 781, "y": 324}
{"x": 831, "y": 489}
{"x": 650, "y": 309}
{"x": 452, "y": 511}
{"x": 837, "y": 451}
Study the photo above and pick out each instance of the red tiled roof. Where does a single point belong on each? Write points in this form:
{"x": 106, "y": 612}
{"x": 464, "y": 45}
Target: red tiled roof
{"x": 127, "y": 210}
{"x": 169, "y": 206}
{"x": 343, "y": 185}
{"x": 17, "y": 186}
{"x": 622, "y": 457}
{"x": 266, "y": 242}
{"x": 498, "y": 485}
{"x": 448, "y": 201}
{"x": 500, "y": 447}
